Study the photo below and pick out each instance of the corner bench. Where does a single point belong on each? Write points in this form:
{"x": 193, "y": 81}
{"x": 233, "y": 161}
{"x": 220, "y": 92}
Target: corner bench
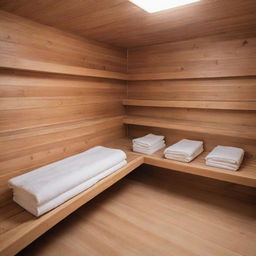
{"x": 18, "y": 228}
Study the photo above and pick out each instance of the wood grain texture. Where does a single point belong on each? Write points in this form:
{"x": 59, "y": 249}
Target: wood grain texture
{"x": 29, "y": 41}
{"x": 30, "y": 65}
{"x": 19, "y": 228}
{"x": 245, "y": 176}
{"x": 210, "y": 140}
{"x": 219, "y": 122}
{"x": 229, "y": 105}
{"x": 197, "y": 58}
{"x": 157, "y": 213}
{"x": 240, "y": 89}
{"x": 246, "y": 132}
{"x": 119, "y": 22}
{"x": 185, "y": 94}
{"x": 46, "y": 117}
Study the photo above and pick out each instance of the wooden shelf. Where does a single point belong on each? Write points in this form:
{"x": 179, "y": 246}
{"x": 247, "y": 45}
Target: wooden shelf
{"x": 187, "y": 75}
{"x": 246, "y": 175}
{"x": 38, "y": 66}
{"x": 240, "y": 131}
{"x": 11, "y": 62}
{"x": 224, "y": 105}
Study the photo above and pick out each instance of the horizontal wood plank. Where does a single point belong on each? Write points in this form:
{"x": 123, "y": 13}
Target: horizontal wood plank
{"x": 214, "y": 89}
{"x": 24, "y": 39}
{"x": 230, "y": 105}
{"x": 39, "y": 66}
{"x": 196, "y": 58}
{"x": 247, "y": 132}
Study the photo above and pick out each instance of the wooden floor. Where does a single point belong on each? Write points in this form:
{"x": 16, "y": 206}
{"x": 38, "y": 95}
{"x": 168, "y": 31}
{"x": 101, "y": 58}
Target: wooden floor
{"x": 157, "y": 212}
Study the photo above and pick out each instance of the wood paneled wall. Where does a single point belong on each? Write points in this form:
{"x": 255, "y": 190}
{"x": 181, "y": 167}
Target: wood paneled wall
{"x": 26, "y": 39}
{"x": 217, "y": 56}
{"x": 45, "y": 117}
{"x": 201, "y": 72}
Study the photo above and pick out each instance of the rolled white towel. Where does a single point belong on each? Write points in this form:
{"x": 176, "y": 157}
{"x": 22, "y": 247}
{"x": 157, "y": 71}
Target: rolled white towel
{"x": 225, "y": 157}
{"x": 150, "y": 150}
{"x": 24, "y": 200}
{"x": 50, "y": 181}
{"x": 149, "y": 140}
{"x": 185, "y": 148}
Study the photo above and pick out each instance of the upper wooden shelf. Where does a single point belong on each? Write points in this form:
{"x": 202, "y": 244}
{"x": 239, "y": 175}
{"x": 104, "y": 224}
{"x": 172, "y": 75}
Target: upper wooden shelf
{"x": 187, "y": 75}
{"x": 246, "y": 132}
{"x": 224, "y": 105}
{"x": 38, "y": 66}
{"x": 10, "y": 62}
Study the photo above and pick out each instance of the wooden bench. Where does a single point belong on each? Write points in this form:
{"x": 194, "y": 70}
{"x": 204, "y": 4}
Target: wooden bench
{"x": 18, "y": 228}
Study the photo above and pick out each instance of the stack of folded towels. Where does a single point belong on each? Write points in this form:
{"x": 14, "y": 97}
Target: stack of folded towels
{"x": 225, "y": 157}
{"x": 184, "y": 150}
{"x": 47, "y": 187}
{"x": 148, "y": 144}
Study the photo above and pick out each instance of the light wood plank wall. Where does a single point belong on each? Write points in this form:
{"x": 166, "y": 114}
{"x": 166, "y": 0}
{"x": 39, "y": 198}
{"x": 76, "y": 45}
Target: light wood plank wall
{"x": 215, "y": 69}
{"x": 46, "y": 117}
{"x": 23, "y": 38}
{"x": 216, "y": 56}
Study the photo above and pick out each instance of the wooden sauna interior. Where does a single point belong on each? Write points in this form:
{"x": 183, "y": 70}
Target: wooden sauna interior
{"x": 75, "y": 74}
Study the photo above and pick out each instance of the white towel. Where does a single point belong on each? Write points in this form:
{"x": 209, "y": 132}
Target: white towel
{"x": 149, "y": 140}
{"x": 225, "y": 157}
{"x": 182, "y": 158}
{"x": 225, "y": 154}
{"x": 150, "y": 150}
{"x": 232, "y": 167}
{"x": 50, "y": 181}
{"x": 186, "y": 148}
{"x": 23, "y": 199}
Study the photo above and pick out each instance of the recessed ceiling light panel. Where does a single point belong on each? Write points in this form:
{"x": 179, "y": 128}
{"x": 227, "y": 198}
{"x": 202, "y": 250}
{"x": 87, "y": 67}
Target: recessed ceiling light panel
{"x": 152, "y": 6}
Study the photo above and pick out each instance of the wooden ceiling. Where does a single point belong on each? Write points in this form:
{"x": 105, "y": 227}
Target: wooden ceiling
{"x": 121, "y": 23}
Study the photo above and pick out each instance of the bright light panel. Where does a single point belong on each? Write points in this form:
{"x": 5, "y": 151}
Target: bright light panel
{"x": 160, "y": 5}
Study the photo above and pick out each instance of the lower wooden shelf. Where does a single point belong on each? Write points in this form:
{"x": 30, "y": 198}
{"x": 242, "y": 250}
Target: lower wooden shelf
{"x": 246, "y": 175}
{"x": 18, "y": 228}
{"x": 240, "y": 131}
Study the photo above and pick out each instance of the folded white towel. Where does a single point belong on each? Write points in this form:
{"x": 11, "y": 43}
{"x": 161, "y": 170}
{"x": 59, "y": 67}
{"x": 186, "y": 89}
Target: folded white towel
{"x": 23, "y": 199}
{"x": 186, "y": 148}
{"x": 150, "y": 150}
{"x": 183, "y": 158}
{"x": 232, "y": 167}
{"x": 225, "y": 154}
{"x": 225, "y": 157}
{"x": 50, "y": 181}
{"x": 149, "y": 140}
